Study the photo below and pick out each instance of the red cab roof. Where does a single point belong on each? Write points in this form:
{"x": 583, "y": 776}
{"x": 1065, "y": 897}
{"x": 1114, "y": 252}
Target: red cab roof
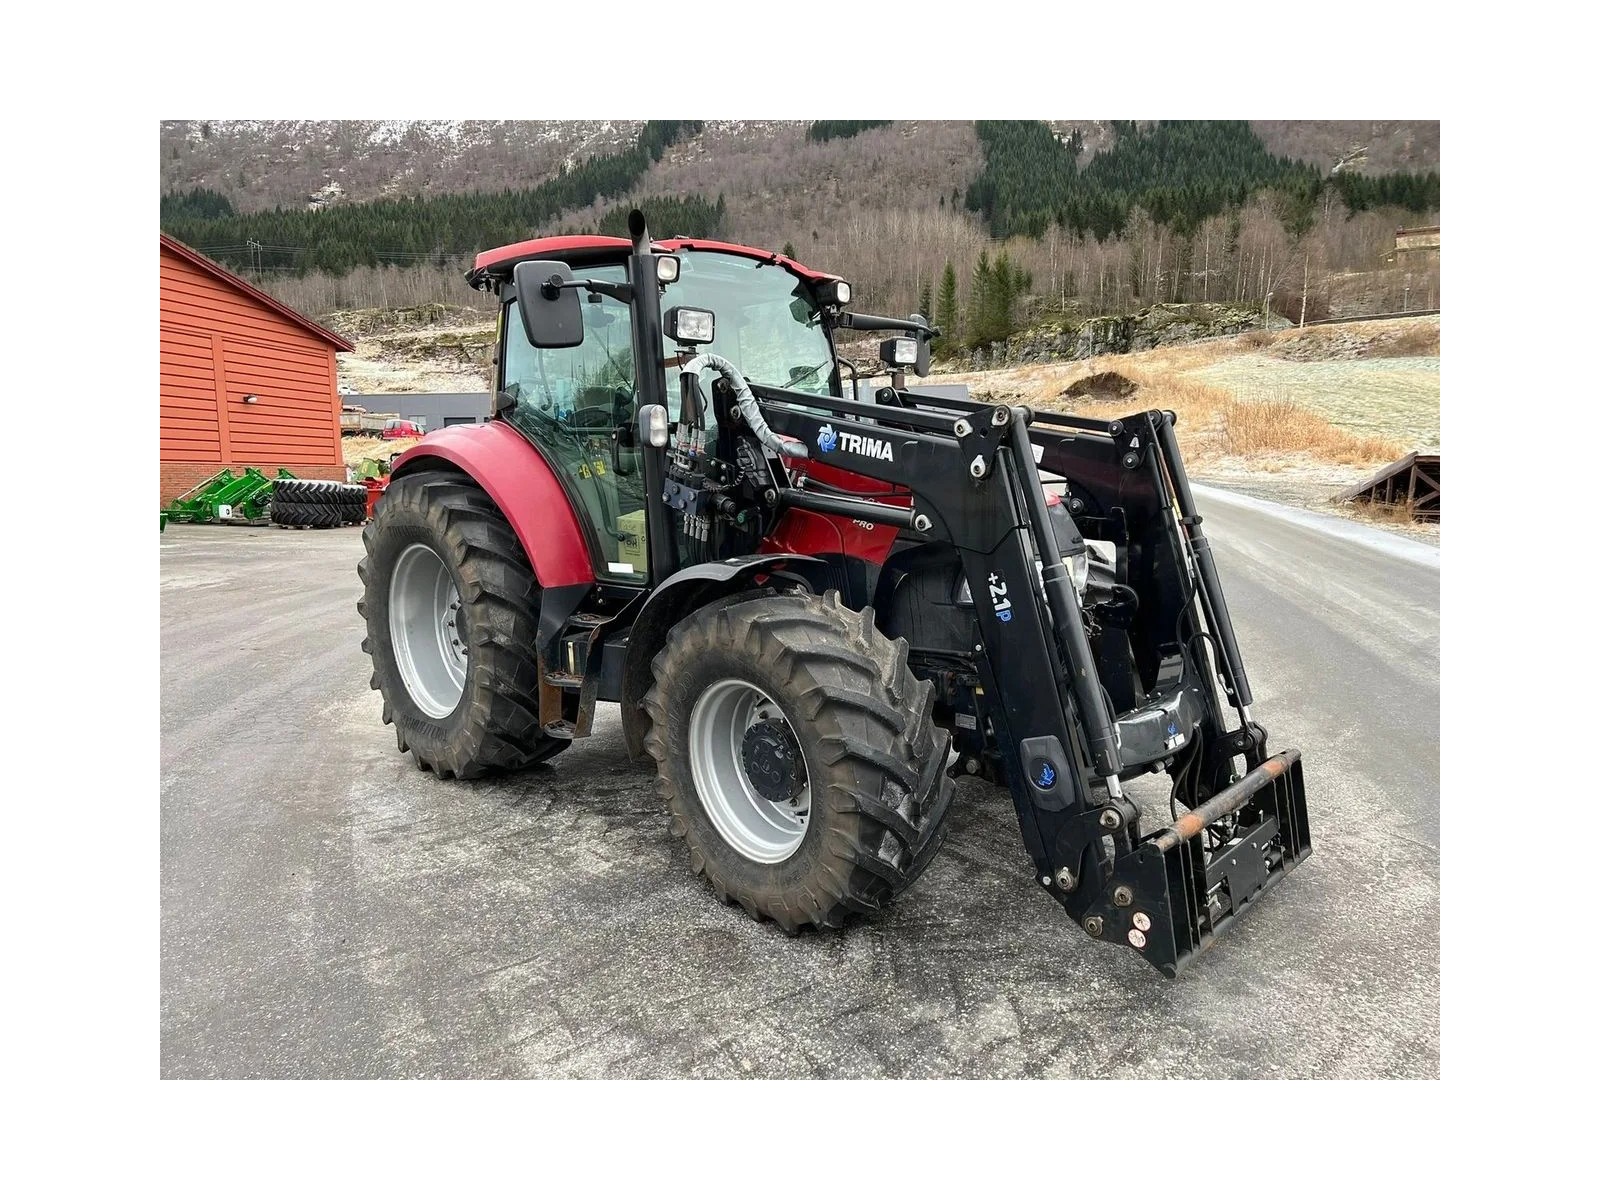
{"x": 500, "y": 262}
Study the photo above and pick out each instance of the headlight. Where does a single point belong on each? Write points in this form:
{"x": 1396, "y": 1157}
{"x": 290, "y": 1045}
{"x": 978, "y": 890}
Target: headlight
{"x": 1077, "y": 570}
{"x": 1077, "y": 566}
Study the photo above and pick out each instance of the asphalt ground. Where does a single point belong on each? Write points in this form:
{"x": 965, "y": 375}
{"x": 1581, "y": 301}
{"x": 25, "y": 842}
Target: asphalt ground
{"x": 329, "y": 910}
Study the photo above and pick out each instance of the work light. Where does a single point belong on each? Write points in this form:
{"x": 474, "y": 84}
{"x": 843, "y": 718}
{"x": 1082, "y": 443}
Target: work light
{"x": 899, "y": 352}
{"x": 834, "y": 292}
{"x": 690, "y": 326}
{"x": 667, "y": 266}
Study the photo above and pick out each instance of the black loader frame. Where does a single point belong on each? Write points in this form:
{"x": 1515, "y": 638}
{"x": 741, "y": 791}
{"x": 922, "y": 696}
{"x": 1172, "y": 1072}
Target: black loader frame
{"x": 975, "y": 477}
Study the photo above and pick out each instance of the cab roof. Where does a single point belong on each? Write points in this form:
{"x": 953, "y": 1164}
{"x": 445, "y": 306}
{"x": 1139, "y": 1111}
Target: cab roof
{"x": 496, "y": 265}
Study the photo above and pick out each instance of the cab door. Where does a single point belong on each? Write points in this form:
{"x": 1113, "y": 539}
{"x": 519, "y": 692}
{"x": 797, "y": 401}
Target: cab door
{"x": 577, "y": 406}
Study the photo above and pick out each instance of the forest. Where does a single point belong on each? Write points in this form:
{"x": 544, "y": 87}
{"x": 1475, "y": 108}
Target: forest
{"x": 1178, "y": 172}
{"x": 1032, "y": 229}
{"x": 410, "y": 231}
{"x": 826, "y": 131}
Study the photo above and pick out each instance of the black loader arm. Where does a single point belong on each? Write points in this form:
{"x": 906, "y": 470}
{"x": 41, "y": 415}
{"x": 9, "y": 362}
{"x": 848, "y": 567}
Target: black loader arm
{"x": 1041, "y": 648}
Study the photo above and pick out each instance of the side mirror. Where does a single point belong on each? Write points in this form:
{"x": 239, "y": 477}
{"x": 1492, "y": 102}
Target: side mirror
{"x": 552, "y": 316}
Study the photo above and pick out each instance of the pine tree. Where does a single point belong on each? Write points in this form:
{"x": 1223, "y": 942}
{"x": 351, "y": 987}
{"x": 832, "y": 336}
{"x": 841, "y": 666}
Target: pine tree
{"x": 980, "y": 312}
{"x": 925, "y": 301}
{"x": 946, "y": 315}
{"x": 1002, "y": 295}
{"x": 788, "y": 250}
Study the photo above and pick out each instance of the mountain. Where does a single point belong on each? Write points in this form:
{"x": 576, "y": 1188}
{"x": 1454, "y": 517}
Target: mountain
{"x": 768, "y": 168}
{"x": 267, "y": 164}
{"x": 1097, "y": 215}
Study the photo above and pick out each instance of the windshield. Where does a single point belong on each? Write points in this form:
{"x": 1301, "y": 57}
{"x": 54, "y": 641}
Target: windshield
{"x": 767, "y": 324}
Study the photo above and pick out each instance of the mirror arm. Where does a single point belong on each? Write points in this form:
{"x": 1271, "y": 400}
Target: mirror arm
{"x": 869, "y": 322}
{"x": 622, "y": 292}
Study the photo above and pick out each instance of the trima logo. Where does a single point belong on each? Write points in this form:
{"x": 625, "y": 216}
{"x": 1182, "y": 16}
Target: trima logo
{"x": 829, "y": 440}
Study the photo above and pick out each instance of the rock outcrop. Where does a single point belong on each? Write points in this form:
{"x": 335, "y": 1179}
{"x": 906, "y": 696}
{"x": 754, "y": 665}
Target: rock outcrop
{"x": 1159, "y": 325}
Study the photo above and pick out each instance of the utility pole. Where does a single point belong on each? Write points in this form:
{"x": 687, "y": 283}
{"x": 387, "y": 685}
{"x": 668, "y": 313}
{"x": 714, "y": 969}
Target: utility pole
{"x": 255, "y": 254}
{"x": 1305, "y": 286}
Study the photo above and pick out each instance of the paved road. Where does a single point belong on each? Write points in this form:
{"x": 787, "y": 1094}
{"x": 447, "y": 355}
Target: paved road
{"x": 328, "y": 910}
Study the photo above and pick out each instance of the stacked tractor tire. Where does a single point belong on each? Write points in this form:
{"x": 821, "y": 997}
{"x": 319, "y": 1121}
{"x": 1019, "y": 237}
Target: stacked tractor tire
{"x": 317, "y": 504}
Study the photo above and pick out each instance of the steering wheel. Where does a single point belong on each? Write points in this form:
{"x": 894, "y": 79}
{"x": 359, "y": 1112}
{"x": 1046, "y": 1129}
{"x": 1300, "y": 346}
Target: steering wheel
{"x": 592, "y": 419}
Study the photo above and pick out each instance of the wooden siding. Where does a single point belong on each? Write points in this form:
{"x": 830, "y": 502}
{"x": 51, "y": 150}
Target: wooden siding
{"x": 218, "y": 345}
{"x": 189, "y": 428}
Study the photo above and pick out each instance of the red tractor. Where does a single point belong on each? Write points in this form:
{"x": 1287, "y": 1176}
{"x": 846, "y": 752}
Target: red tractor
{"x": 816, "y": 609}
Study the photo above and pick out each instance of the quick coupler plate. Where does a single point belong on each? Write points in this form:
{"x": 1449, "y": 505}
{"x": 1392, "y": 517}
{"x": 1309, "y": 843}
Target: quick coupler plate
{"x": 1184, "y": 885}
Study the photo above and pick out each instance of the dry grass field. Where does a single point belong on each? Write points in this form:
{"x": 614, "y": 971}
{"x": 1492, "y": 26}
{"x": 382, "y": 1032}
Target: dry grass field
{"x": 1295, "y": 415}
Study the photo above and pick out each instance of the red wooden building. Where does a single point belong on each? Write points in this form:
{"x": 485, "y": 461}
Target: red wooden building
{"x": 245, "y": 381}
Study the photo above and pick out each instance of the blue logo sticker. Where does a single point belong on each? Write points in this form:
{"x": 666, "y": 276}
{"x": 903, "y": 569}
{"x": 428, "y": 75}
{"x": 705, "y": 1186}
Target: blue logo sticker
{"x": 1047, "y": 775}
{"x": 827, "y": 439}
{"x": 997, "y": 596}
{"x": 1172, "y": 729}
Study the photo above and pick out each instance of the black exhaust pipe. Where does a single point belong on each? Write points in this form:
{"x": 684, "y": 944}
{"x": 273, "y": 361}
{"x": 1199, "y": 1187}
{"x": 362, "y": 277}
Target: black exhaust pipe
{"x": 650, "y": 372}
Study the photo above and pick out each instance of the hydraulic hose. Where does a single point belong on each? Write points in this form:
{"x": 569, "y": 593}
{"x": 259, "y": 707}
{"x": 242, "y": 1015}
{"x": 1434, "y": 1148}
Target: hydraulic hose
{"x": 749, "y": 409}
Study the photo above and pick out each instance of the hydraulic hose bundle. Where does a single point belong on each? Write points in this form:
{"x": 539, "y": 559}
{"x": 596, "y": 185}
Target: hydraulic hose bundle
{"x": 749, "y": 409}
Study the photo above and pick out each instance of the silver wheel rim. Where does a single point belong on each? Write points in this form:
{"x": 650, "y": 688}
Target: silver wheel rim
{"x": 763, "y": 830}
{"x": 428, "y": 631}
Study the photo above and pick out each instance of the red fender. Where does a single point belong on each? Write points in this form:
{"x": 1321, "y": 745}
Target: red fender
{"x": 522, "y": 485}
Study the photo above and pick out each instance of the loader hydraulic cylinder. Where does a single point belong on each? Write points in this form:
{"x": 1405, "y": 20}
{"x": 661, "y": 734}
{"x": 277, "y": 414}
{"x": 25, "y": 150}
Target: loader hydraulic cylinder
{"x": 1097, "y": 721}
{"x": 1210, "y": 586}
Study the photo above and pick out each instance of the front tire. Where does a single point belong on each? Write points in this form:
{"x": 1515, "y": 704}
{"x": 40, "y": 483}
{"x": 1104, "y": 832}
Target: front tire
{"x": 798, "y": 757}
{"x": 452, "y": 609}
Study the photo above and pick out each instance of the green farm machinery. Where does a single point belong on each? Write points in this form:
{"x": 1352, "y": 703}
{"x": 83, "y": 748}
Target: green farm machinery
{"x": 236, "y": 499}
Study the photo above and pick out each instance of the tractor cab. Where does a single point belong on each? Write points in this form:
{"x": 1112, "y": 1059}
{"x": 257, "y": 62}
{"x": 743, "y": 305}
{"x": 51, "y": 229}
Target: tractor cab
{"x": 578, "y": 402}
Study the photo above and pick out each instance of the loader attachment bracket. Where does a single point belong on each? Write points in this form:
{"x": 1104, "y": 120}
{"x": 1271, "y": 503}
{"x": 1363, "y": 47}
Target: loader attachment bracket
{"x": 1176, "y": 894}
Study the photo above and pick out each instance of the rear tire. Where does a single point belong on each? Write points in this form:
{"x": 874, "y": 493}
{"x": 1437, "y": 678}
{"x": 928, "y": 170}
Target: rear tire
{"x": 875, "y": 791}
{"x": 443, "y": 523}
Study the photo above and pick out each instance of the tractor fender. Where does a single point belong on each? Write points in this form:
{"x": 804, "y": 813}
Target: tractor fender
{"x": 689, "y": 589}
{"x": 522, "y": 485}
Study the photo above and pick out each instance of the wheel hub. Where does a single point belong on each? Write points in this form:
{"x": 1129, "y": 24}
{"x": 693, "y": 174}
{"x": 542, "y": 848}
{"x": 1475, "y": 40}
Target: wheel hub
{"x": 749, "y": 771}
{"x": 772, "y": 762}
{"x": 428, "y": 630}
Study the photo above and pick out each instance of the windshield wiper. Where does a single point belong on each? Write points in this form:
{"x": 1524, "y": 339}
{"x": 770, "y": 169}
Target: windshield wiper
{"x": 808, "y": 373}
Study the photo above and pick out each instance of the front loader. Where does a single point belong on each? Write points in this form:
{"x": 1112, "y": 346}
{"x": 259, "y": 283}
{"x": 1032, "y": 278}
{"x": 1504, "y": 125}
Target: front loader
{"x": 817, "y": 607}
